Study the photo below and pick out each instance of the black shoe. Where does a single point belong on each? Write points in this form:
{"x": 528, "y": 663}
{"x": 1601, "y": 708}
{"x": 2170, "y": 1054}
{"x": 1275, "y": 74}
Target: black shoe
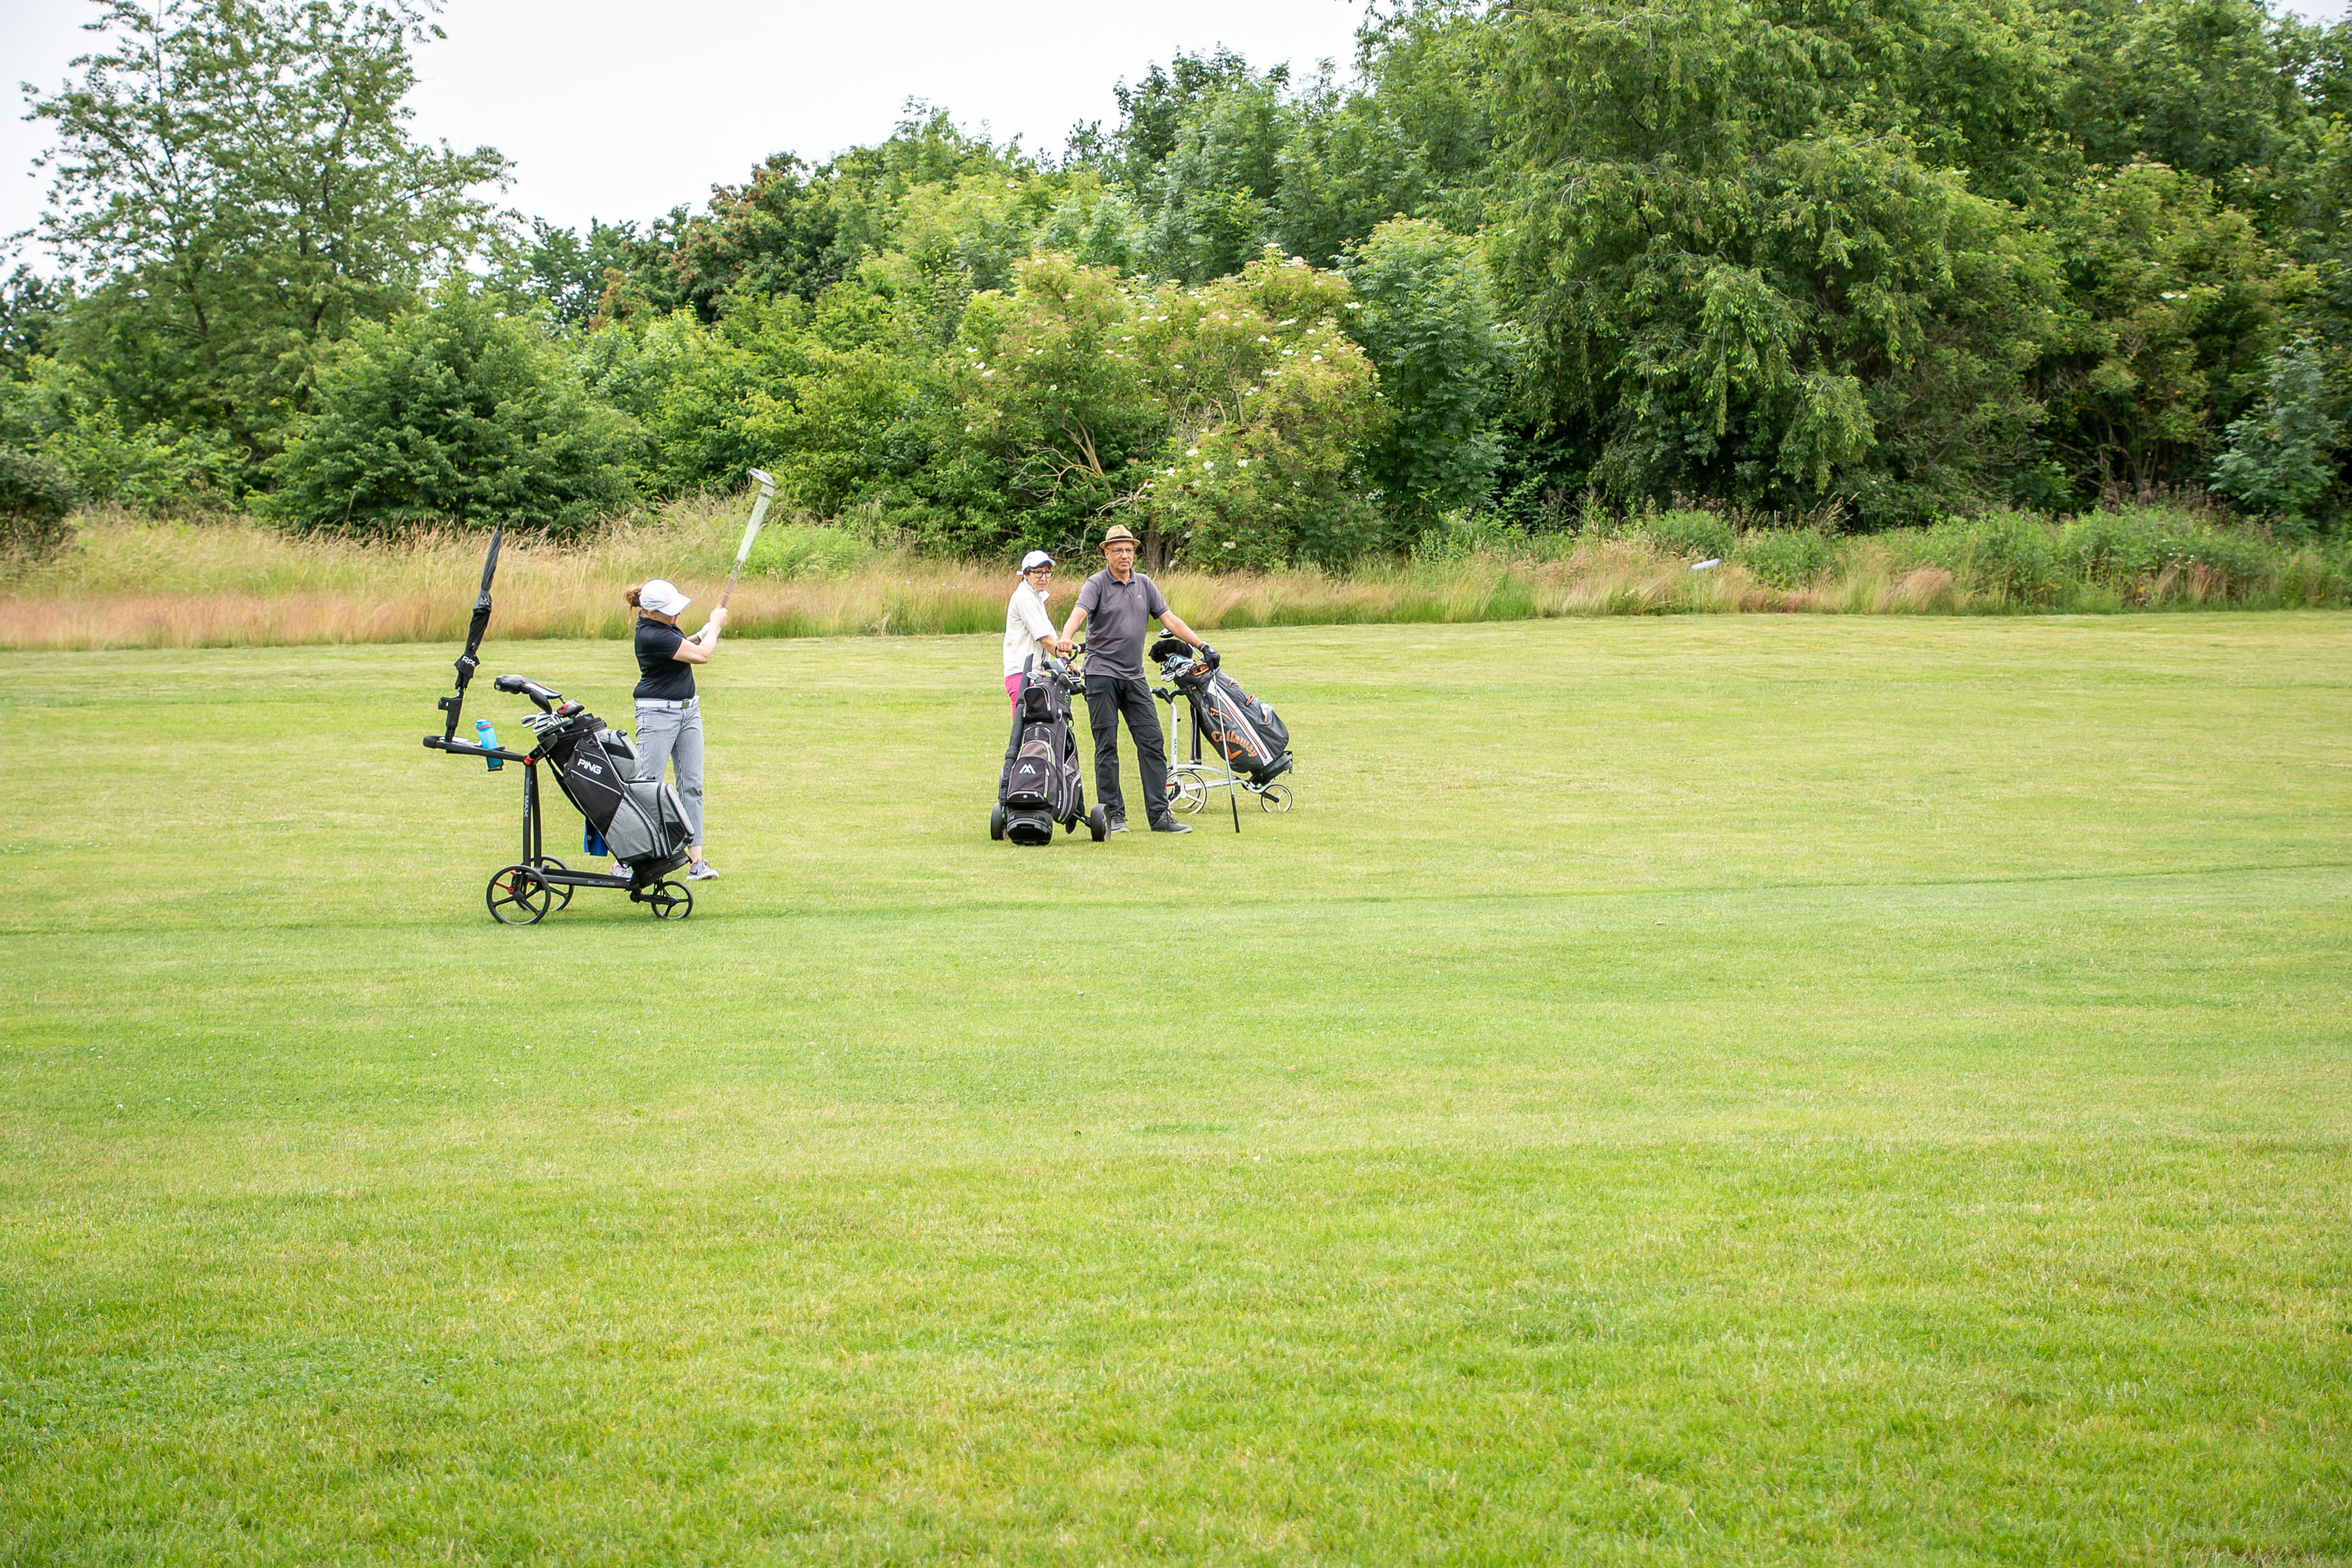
{"x": 1170, "y": 825}
{"x": 1117, "y": 825}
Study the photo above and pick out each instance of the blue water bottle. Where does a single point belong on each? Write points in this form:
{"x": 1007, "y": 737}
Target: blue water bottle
{"x": 488, "y": 738}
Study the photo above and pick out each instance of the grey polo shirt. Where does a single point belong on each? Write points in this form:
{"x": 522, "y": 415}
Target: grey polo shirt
{"x": 1117, "y": 615}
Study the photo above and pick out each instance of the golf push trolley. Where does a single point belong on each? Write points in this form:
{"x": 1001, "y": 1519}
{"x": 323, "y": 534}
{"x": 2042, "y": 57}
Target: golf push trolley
{"x": 596, "y": 767}
{"x": 1252, "y": 746}
{"x": 1040, "y": 784}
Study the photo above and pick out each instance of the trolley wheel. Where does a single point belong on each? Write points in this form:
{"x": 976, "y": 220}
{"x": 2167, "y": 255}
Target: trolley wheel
{"x": 562, "y": 891}
{"x": 1274, "y": 798}
{"x": 671, "y": 900}
{"x": 1098, "y": 824}
{"x": 518, "y": 895}
{"x": 1186, "y": 792}
{"x": 996, "y": 821}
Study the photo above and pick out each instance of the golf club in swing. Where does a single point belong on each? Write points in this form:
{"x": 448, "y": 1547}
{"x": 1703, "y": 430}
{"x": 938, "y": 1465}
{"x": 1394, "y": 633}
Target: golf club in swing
{"x": 758, "y": 514}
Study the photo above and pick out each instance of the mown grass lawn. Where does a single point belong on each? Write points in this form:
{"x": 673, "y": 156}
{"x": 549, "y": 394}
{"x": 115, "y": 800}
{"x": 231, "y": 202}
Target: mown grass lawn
{"x": 1689, "y": 1091}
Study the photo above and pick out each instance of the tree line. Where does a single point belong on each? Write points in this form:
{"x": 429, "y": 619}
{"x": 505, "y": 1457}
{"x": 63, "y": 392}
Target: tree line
{"x": 1864, "y": 263}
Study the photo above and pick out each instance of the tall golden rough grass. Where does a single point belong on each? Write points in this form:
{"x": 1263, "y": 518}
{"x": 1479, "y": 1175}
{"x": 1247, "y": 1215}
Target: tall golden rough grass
{"x": 137, "y": 582}
{"x": 131, "y": 581}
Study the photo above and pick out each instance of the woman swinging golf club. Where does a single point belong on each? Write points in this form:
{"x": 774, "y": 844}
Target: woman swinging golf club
{"x": 669, "y": 717}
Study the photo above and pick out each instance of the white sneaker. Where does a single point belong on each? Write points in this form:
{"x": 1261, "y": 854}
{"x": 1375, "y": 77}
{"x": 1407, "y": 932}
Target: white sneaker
{"x": 702, "y": 870}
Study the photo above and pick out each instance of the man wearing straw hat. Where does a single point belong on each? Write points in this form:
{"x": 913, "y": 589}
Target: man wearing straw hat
{"x": 1121, "y": 601}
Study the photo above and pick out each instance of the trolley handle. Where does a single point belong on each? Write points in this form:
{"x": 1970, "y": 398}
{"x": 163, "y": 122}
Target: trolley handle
{"x": 542, "y": 698}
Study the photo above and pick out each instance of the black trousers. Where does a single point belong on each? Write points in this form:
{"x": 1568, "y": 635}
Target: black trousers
{"x": 1108, "y": 696}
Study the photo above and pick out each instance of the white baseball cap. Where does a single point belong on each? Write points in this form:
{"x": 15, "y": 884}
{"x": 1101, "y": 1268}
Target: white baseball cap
{"x": 1035, "y": 557}
{"x": 662, "y": 598}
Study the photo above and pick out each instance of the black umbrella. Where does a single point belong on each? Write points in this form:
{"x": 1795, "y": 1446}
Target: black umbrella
{"x": 466, "y": 662}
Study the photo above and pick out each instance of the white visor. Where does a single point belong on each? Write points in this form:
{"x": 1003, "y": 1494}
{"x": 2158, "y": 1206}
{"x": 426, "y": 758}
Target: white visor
{"x": 662, "y": 598}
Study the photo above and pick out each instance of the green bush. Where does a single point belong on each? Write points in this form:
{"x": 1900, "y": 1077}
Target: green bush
{"x": 57, "y": 414}
{"x": 1693, "y": 535}
{"x": 2014, "y": 554}
{"x": 35, "y": 497}
{"x": 1789, "y": 558}
{"x": 798, "y": 550}
{"x": 2136, "y": 544}
{"x": 2282, "y": 457}
{"x": 455, "y": 412}
{"x": 1458, "y": 536}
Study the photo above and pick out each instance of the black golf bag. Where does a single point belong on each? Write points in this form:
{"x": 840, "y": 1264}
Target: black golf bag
{"x": 1252, "y": 740}
{"x": 1041, "y": 785}
{"x": 640, "y": 820}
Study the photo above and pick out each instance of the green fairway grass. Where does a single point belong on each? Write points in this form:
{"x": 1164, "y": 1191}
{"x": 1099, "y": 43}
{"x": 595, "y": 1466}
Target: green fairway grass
{"x": 1693, "y": 1091}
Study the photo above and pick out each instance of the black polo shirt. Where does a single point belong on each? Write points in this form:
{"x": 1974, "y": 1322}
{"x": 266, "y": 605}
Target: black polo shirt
{"x": 1119, "y": 614}
{"x": 664, "y": 677}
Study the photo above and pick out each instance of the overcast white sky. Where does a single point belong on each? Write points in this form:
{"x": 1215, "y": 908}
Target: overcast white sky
{"x": 623, "y": 111}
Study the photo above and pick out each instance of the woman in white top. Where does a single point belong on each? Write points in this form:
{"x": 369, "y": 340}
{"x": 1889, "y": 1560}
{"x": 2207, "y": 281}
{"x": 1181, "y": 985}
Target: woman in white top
{"x": 1028, "y": 629}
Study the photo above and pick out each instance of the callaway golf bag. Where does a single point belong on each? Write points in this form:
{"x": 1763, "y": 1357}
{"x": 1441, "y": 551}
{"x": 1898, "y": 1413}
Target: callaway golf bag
{"x": 1041, "y": 786}
{"x": 1253, "y": 742}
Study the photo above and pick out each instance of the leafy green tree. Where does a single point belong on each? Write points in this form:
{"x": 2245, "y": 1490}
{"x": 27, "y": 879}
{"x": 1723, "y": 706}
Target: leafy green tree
{"x": 1208, "y": 202}
{"x": 2174, "y": 303}
{"x": 60, "y": 414}
{"x": 1155, "y": 114}
{"x": 1350, "y": 166}
{"x": 1094, "y": 226}
{"x": 1272, "y": 409}
{"x": 2218, "y": 89}
{"x": 2285, "y": 458}
{"x": 30, "y": 309}
{"x": 1427, "y": 319}
{"x": 694, "y": 390}
{"x": 791, "y": 229}
{"x": 1220, "y": 161}
{"x": 1427, "y": 64}
{"x": 1056, "y": 389}
{"x": 1225, "y": 422}
{"x": 843, "y": 401}
{"x": 1741, "y": 274}
{"x": 35, "y": 498}
{"x": 559, "y": 267}
{"x": 235, "y": 183}
{"x": 452, "y": 414}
